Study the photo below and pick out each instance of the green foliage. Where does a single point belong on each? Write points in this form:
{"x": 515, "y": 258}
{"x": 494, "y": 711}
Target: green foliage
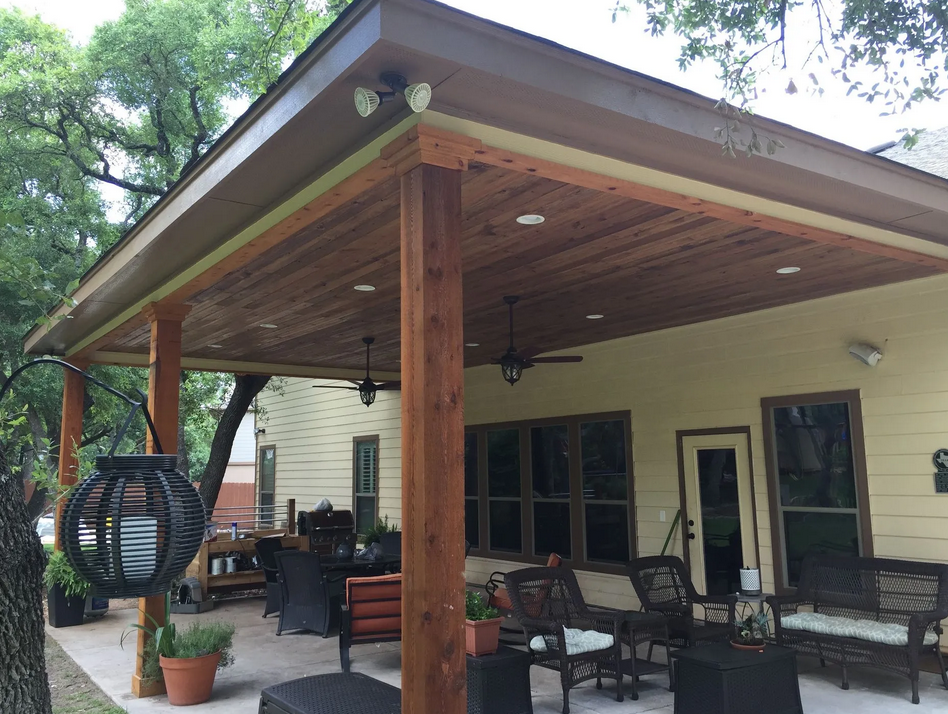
{"x": 200, "y": 639}
{"x": 373, "y": 535}
{"x": 60, "y": 572}
{"x": 475, "y": 609}
{"x": 902, "y": 45}
{"x": 753, "y": 629}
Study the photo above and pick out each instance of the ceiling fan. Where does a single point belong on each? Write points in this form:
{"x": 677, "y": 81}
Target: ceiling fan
{"x": 366, "y": 388}
{"x": 512, "y": 363}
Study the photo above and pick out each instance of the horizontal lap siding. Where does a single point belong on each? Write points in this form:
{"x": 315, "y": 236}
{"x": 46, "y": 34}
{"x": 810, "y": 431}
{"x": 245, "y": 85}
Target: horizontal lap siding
{"x": 313, "y": 431}
{"x": 701, "y": 376}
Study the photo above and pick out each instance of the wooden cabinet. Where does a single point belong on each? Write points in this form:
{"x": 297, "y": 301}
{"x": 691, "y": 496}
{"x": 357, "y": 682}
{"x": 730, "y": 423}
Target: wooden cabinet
{"x": 200, "y": 567}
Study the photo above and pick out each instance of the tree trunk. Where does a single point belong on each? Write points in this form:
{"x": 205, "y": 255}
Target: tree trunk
{"x": 184, "y": 463}
{"x": 23, "y": 685}
{"x": 246, "y": 387}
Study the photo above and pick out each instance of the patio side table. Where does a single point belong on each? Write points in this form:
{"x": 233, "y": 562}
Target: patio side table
{"x": 331, "y": 694}
{"x": 499, "y": 683}
{"x": 718, "y": 679}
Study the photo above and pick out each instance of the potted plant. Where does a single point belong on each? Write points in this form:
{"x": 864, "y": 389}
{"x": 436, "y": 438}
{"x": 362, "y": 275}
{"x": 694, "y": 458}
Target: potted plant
{"x": 373, "y": 534}
{"x": 482, "y": 631}
{"x": 66, "y": 592}
{"x": 751, "y": 632}
{"x": 188, "y": 661}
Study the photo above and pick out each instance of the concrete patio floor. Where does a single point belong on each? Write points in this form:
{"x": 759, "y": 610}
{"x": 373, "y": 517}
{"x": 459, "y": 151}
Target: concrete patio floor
{"x": 263, "y": 659}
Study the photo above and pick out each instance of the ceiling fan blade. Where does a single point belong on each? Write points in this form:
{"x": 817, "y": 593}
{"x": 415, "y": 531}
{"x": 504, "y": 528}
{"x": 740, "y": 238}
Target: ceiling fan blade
{"x": 334, "y": 386}
{"x": 565, "y": 359}
{"x": 528, "y": 352}
{"x": 389, "y": 385}
{"x": 356, "y": 382}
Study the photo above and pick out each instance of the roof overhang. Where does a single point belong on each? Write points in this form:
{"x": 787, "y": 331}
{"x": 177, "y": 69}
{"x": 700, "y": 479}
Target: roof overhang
{"x": 512, "y": 91}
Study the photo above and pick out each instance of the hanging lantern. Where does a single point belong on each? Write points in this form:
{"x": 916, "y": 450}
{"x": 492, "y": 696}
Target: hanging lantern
{"x": 133, "y": 525}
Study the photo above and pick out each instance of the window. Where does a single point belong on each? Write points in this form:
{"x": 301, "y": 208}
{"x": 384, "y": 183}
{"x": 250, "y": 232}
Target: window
{"x": 819, "y": 495}
{"x": 365, "y": 468}
{"x": 552, "y": 486}
{"x": 471, "y": 510}
{"x": 267, "y": 484}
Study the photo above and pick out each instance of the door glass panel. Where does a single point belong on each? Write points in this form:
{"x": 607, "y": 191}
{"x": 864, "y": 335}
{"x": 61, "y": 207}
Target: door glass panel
{"x": 603, "y": 453}
{"x": 503, "y": 463}
{"x": 720, "y": 520}
{"x": 817, "y": 532}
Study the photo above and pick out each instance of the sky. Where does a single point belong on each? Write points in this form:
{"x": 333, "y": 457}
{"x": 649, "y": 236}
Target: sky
{"x": 586, "y": 25}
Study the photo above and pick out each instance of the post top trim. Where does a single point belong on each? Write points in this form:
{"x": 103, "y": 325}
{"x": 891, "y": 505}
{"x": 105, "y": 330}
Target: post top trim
{"x": 155, "y": 311}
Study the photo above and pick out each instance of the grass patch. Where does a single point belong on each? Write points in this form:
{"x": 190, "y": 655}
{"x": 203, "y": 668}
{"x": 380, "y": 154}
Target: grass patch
{"x": 72, "y": 690}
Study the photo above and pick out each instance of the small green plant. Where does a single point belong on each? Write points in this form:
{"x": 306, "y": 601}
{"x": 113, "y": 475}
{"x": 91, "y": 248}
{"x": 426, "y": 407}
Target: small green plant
{"x": 752, "y": 630}
{"x": 60, "y": 572}
{"x": 200, "y": 639}
{"x": 475, "y": 608}
{"x": 374, "y": 534}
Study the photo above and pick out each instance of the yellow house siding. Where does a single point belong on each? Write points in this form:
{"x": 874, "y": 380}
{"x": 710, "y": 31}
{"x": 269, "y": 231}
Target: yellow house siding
{"x": 703, "y": 376}
{"x": 313, "y": 431}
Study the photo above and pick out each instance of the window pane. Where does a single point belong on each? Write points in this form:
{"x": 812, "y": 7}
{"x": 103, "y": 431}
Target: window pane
{"x": 505, "y": 526}
{"x": 366, "y": 467}
{"x": 604, "y": 468}
{"x": 365, "y": 513}
{"x": 551, "y": 532}
{"x": 267, "y": 468}
{"x": 805, "y": 533}
{"x": 549, "y": 446}
{"x": 607, "y": 532}
{"x": 266, "y": 508}
{"x": 503, "y": 463}
{"x": 472, "y": 530}
{"x": 470, "y": 465}
{"x": 814, "y": 456}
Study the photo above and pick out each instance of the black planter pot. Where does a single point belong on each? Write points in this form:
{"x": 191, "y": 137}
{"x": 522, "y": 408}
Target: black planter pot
{"x": 64, "y": 611}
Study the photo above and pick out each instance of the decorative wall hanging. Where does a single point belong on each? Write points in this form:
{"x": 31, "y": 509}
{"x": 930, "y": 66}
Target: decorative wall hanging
{"x": 136, "y": 522}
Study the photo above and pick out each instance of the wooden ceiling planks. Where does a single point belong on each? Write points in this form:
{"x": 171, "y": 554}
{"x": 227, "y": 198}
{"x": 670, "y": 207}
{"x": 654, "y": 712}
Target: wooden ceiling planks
{"x": 644, "y": 266}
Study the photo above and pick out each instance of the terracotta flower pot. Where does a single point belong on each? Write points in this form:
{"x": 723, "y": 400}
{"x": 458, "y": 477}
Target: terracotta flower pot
{"x": 749, "y": 648}
{"x": 482, "y": 636}
{"x": 189, "y": 680}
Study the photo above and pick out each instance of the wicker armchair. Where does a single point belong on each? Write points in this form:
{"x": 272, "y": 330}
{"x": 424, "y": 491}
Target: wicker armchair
{"x": 545, "y": 600}
{"x": 266, "y": 549}
{"x": 307, "y": 592}
{"x": 663, "y": 586}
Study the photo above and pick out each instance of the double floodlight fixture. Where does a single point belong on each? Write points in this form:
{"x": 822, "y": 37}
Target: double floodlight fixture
{"x": 417, "y": 95}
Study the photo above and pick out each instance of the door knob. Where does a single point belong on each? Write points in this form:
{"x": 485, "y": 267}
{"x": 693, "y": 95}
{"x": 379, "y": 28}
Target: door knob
{"x": 691, "y": 523}
{"x": 691, "y": 536}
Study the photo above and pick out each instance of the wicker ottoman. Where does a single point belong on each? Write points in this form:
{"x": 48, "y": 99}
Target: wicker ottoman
{"x": 718, "y": 679}
{"x": 331, "y": 694}
{"x": 499, "y": 683}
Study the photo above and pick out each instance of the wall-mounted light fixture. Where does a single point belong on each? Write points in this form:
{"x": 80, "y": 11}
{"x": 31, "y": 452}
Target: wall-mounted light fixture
{"x": 417, "y": 95}
{"x": 867, "y": 354}
{"x": 259, "y": 430}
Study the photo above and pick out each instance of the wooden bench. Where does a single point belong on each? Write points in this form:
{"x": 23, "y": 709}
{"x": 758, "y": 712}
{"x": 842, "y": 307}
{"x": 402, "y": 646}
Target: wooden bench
{"x": 866, "y": 611}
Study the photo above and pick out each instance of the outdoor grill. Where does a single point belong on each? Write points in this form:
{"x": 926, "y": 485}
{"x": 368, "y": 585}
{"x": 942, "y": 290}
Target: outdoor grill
{"x": 327, "y": 529}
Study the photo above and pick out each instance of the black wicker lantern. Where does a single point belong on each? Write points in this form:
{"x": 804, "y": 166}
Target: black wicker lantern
{"x": 133, "y": 525}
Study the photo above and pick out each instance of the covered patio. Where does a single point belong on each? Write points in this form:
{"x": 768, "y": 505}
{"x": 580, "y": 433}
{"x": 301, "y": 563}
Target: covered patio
{"x": 306, "y": 228}
{"x": 263, "y": 659}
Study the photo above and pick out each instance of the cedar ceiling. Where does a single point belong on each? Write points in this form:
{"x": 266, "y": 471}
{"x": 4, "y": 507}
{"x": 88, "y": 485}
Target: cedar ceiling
{"x": 645, "y": 267}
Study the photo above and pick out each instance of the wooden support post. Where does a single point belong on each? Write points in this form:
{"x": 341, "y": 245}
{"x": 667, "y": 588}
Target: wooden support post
{"x": 74, "y": 391}
{"x": 433, "y": 660}
{"x": 291, "y": 516}
{"x": 164, "y": 379}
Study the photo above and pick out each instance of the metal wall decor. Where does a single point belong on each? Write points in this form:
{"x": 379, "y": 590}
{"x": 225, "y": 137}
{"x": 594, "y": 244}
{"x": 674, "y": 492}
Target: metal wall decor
{"x": 136, "y": 522}
{"x": 940, "y": 459}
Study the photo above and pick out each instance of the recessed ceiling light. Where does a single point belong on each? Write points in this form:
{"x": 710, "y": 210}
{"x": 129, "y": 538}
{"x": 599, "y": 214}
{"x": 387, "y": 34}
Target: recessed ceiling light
{"x": 472, "y": 344}
{"x": 594, "y": 317}
{"x": 268, "y": 325}
{"x": 530, "y": 219}
{"x": 215, "y": 347}
{"x": 789, "y": 270}
{"x": 364, "y": 288}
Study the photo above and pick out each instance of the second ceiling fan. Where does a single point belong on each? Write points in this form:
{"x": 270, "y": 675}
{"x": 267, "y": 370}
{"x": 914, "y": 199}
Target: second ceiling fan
{"x": 367, "y": 389}
{"x": 513, "y": 362}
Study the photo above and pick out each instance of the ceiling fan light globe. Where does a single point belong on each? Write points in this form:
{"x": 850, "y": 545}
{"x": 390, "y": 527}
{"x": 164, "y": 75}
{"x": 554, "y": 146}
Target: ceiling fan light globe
{"x": 367, "y": 394}
{"x": 512, "y": 370}
{"x": 366, "y": 101}
{"x": 418, "y": 96}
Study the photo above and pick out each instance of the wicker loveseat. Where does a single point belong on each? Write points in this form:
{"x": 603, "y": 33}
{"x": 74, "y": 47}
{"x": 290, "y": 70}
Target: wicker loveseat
{"x": 866, "y": 611}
